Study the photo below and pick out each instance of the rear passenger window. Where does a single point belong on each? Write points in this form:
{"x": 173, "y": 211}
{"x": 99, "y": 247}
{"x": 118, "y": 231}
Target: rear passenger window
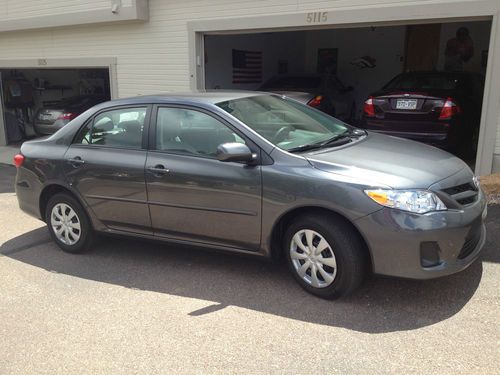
{"x": 116, "y": 128}
{"x": 191, "y": 132}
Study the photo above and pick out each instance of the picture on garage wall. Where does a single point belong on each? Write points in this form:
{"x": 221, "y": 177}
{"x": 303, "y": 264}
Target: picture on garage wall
{"x": 247, "y": 66}
{"x": 327, "y": 60}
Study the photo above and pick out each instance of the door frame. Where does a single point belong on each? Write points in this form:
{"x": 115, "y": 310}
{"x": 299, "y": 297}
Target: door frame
{"x": 437, "y": 12}
{"x": 59, "y": 63}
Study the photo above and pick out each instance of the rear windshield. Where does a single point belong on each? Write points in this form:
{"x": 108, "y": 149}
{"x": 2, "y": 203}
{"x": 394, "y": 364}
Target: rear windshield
{"x": 424, "y": 81}
{"x": 302, "y": 82}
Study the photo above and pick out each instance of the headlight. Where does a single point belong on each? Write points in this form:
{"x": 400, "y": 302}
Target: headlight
{"x": 418, "y": 201}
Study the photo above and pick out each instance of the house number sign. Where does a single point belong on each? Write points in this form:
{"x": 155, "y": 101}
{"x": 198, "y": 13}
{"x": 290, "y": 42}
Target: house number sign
{"x": 316, "y": 17}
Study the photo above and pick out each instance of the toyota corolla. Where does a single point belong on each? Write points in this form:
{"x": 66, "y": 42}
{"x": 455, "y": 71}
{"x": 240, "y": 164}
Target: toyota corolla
{"x": 260, "y": 174}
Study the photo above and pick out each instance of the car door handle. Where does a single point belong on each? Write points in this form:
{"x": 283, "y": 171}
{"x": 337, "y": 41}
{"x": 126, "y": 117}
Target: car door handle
{"x": 76, "y": 161}
{"x": 158, "y": 170}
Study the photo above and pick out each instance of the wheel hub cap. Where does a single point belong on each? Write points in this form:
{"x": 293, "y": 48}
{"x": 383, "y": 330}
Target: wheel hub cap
{"x": 65, "y": 224}
{"x": 313, "y": 258}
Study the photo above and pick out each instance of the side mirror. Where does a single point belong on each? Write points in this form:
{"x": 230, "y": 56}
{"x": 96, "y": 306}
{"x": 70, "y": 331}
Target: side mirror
{"x": 235, "y": 152}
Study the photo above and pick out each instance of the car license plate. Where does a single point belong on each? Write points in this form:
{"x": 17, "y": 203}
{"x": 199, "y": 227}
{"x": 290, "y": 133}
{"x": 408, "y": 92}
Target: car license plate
{"x": 406, "y": 104}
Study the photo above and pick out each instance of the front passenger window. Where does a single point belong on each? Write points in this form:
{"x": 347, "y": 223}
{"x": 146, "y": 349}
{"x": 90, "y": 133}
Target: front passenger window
{"x": 117, "y": 128}
{"x": 191, "y": 132}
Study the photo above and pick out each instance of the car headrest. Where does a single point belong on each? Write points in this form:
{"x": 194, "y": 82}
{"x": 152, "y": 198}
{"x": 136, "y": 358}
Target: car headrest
{"x": 132, "y": 126}
{"x": 104, "y": 126}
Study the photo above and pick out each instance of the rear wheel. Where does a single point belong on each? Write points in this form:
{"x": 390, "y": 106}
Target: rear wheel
{"x": 68, "y": 223}
{"x": 325, "y": 255}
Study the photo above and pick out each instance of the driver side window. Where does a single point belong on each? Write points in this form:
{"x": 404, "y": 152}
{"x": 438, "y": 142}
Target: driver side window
{"x": 192, "y": 132}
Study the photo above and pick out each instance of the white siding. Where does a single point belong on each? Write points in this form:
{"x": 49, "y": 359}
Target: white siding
{"x": 17, "y": 9}
{"x": 152, "y": 56}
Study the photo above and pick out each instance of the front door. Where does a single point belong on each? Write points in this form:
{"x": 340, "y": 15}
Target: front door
{"x": 192, "y": 195}
{"x": 105, "y": 164}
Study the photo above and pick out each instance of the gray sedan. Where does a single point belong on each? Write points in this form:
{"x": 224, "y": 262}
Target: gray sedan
{"x": 256, "y": 174}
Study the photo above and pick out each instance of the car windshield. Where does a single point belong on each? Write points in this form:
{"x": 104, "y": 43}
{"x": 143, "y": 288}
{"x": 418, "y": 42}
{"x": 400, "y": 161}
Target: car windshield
{"x": 292, "y": 82}
{"x": 284, "y": 122}
{"x": 423, "y": 82}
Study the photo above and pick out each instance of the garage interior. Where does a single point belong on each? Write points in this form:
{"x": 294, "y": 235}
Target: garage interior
{"x": 27, "y": 92}
{"x": 363, "y": 59}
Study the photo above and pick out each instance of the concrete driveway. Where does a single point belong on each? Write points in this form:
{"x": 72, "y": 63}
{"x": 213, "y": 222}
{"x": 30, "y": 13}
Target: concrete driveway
{"x": 141, "y": 307}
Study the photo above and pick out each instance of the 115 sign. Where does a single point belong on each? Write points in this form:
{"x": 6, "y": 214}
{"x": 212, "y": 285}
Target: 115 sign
{"x": 316, "y": 17}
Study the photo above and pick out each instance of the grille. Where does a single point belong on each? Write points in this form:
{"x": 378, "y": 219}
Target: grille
{"x": 471, "y": 241}
{"x": 464, "y": 194}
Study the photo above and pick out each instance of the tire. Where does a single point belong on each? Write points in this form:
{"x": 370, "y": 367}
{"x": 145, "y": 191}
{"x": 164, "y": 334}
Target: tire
{"x": 344, "y": 259}
{"x": 80, "y": 234}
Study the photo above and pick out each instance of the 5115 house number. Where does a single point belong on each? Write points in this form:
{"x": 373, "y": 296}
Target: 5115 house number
{"x": 316, "y": 17}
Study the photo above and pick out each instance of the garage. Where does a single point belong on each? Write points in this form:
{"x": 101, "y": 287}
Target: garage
{"x": 38, "y": 102}
{"x": 422, "y": 81}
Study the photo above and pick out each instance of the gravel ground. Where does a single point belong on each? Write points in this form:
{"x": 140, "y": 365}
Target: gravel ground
{"x": 142, "y": 307}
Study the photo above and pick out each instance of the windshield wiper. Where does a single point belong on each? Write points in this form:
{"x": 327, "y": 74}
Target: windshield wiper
{"x": 313, "y": 146}
{"x": 337, "y": 140}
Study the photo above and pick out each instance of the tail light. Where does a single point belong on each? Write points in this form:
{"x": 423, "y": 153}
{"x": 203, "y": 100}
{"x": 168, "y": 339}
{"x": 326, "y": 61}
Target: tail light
{"x": 316, "y": 101}
{"x": 67, "y": 116}
{"x": 369, "y": 107}
{"x": 18, "y": 160}
{"x": 450, "y": 108}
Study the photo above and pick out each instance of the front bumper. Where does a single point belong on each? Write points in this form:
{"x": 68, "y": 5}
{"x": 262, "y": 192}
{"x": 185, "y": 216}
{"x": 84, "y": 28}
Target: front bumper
{"x": 396, "y": 238}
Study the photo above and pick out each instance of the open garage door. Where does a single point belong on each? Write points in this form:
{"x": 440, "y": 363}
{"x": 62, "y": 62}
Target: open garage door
{"x": 38, "y": 102}
{"x": 423, "y": 82}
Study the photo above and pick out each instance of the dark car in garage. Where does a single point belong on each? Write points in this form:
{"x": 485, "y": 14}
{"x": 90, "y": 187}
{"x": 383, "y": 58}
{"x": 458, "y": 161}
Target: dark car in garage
{"x": 325, "y": 92}
{"x": 438, "y": 108}
{"x": 51, "y": 118}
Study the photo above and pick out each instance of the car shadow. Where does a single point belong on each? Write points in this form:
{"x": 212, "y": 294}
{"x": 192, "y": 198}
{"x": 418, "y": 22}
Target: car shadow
{"x": 381, "y": 305}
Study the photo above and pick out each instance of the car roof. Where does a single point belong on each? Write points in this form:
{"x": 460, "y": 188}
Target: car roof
{"x": 205, "y": 96}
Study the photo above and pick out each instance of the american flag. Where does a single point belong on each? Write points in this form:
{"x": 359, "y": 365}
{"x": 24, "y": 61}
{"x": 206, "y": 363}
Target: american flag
{"x": 247, "y": 66}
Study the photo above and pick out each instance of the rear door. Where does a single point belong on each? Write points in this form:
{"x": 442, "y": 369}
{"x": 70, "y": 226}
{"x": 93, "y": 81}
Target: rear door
{"x": 105, "y": 164}
{"x": 192, "y": 195}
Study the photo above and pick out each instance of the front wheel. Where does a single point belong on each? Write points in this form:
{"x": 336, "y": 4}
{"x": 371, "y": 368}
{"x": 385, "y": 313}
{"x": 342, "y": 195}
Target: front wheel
{"x": 68, "y": 224}
{"x": 325, "y": 255}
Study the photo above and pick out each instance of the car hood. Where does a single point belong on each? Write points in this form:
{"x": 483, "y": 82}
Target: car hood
{"x": 385, "y": 161}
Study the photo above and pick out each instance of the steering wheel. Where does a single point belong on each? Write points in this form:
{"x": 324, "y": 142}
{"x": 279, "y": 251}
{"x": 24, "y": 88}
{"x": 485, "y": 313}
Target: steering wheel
{"x": 282, "y": 133}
